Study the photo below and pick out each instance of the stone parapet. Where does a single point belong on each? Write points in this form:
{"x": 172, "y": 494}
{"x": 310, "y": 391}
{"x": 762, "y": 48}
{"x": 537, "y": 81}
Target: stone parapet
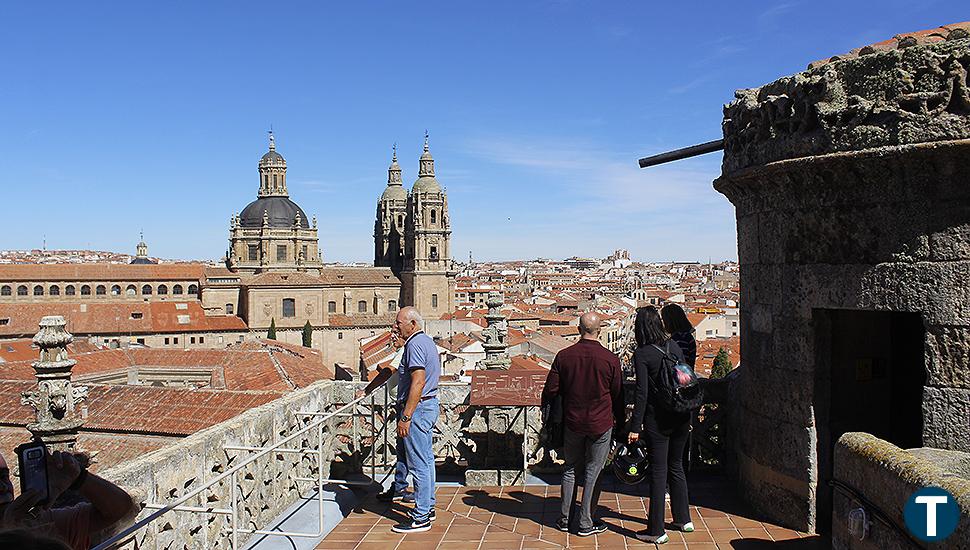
{"x": 885, "y": 476}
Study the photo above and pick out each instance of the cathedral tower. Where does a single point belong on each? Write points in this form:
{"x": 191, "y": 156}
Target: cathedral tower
{"x": 428, "y": 278}
{"x": 273, "y": 232}
{"x": 389, "y": 225}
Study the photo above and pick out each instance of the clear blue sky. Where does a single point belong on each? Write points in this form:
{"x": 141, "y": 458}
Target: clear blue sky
{"x": 124, "y": 116}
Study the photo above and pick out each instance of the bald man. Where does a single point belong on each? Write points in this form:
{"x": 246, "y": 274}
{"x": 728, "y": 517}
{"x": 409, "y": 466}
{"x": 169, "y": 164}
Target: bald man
{"x": 418, "y": 408}
{"x": 588, "y": 378}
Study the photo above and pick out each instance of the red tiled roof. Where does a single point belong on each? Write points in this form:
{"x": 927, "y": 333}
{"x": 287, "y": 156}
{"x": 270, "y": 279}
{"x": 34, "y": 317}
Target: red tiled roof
{"x": 953, "y": 31}
{"x": 525, "y": 362}
{"x": 106, "y": 449}
{"x": 101, "y": 272}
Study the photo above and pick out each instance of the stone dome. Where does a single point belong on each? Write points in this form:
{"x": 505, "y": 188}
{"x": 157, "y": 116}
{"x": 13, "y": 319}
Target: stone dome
{"x": 426, "y": 184}
{"x": 271, "y": 156}
{"x": 394, "y": 193}
{"x": 281, "y": 211}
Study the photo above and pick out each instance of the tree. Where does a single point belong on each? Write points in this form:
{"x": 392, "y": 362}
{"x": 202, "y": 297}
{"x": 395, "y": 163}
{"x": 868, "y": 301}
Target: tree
{"x": 722, "y": 364}
{"x": 271, "y": 333}
{"x": 307, "y": 335}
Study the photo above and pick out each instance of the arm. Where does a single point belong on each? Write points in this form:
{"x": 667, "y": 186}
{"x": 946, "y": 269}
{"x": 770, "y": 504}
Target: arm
{"x": 109, "y": 503}
{"x": 640, "y": 399}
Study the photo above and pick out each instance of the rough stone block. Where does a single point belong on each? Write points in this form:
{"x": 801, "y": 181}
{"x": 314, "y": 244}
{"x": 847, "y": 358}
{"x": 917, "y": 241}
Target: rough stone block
{"x": 948, "y": 356}
{"x": 788, "y": 448}
{"x": 938, "y": 290}
{"x": 952, "y": 243}
{"x": 946, "y": 417}
{"x": 748, "y": 241}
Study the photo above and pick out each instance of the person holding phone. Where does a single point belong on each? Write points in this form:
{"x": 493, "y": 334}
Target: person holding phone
{"x": 106, "y": 503}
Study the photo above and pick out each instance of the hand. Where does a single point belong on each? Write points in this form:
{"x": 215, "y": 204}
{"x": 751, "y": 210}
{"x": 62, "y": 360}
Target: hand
{"x": 632, "y": 437}
{"x": 403, "y": 428}
{"x": 17, "y": 513}
{"x": 62, "y": 471}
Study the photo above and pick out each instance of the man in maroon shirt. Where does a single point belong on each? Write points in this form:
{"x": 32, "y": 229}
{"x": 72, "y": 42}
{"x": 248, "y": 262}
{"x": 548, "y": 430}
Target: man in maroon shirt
{"x": 588, "y": 378}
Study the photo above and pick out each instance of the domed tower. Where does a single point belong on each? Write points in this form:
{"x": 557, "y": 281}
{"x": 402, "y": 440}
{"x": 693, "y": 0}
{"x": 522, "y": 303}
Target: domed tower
{"x": 141, "y": 252}
{"x": 273, "y": 232}
{"x": 428, "y": 278}
{"x": 389, "y": 225}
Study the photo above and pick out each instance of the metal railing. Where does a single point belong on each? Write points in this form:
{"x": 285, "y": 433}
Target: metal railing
{"x": 322, "y": 421}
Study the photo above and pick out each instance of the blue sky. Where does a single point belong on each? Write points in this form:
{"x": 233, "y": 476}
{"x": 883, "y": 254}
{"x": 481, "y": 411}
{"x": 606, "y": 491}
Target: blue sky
{"x": 125, "y": 116}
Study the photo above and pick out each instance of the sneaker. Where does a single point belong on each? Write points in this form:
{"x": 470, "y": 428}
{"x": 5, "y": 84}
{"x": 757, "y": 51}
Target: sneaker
{"x": 598, "y": 527}
{"x": 563, "y": 524}
{"x": 655, "y": 539}
{"x": 390, "y": 496}
{"x": 433, "y": 517}
{"x": 687, "y": 527}
{"x": 412, "y": 527}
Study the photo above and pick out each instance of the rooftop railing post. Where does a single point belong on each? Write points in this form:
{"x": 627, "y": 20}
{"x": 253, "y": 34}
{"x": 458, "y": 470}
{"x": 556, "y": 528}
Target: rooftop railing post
{"x": 373, "y": 437}
{"x": 233, "y": 518}
{"x": 320, "y": 462}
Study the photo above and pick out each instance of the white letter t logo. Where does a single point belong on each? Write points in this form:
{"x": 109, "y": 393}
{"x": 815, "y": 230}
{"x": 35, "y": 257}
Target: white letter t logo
{"x": 931, "y": 502}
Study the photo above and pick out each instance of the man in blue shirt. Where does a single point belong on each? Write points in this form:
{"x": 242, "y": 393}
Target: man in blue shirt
{"x": 418, "y": 408}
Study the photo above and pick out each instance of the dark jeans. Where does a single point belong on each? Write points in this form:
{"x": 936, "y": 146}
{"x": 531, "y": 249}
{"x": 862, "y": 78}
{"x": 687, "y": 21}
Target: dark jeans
{"x": 666, "y": 446}
{"x": 586, "y": 453}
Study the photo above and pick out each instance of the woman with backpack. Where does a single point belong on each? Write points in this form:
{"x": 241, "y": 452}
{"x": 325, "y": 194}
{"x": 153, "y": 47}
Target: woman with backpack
{"x": 681, "y": 331}
{"x": 662, "y": 413}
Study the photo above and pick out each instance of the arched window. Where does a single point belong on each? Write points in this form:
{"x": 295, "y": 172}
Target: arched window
{"x": 362, "y": 306}
{"x": 274, "y": 181}
{"x": 130, "y": 290}
{"x": 146, "y": 290}
{"x": 434, "y": 301}
{"x": 391, "y": 305}
{"x": 100, "y": 290}
{"x": 21, "y": 290}
{"x": 177, "y": 289}
{"x": 5, "y": 290}
{"x": 69, "y": 290}
{"x": 289, "y": 307}
{"x": 193, "y": 289}
{"x": 400, "y": 219}
{"x": 434, "y": 217}
{"x": 162, "y": 289}
{"x": 38, "y": 290}
{"x": 331, "y": 307}
{"x": 115, "y": 290}
{"x": 229, "y": 309}
{"x": 54, "y": 290}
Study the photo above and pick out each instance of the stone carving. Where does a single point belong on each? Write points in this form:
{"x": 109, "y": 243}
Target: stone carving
{"x": 893, "y": 97}
{"x": 308, "y": 308}
{"x": 495, "y": 334}
{"x": 55, "y": 400}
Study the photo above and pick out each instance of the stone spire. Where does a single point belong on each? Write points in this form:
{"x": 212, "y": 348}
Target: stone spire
{"x": 272, "y": 172}
{"x": 426, "y": 168}
{"x": 55, "y": 400}
{"x": 141, "y": 250}
{"x": 496, "y": 346}
{"x": 394, "y": 170}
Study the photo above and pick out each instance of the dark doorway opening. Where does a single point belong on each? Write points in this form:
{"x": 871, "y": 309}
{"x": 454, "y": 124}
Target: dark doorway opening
{"x": 870, "y": 373}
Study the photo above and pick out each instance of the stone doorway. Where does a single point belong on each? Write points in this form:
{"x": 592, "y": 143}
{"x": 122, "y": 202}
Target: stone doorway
{"x": 870, "y": 377}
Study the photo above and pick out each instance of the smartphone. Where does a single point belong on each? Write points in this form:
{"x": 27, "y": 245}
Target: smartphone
{"x": 32, "y": 458}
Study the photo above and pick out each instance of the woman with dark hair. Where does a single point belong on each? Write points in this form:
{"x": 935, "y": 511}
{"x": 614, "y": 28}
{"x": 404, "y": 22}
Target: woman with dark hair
{"x": 666, "y": 431}
{"x": 681, "y": 331}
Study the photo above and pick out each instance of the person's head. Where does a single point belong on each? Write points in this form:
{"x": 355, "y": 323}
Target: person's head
{"x": 648, "y": 328}
{"x": 589, "y": 325}
{"x": 675, "y": 320}
{"x": 408, "y": 321}
{"x": 6, "y": 485}
{"x": 22, "y": 539}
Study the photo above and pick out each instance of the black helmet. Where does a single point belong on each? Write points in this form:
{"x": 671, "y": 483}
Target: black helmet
{"x": 630, "y": 464}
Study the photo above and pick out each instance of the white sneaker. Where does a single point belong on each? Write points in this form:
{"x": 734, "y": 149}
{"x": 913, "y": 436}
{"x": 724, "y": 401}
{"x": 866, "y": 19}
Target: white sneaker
{"x": 688, "y": 527}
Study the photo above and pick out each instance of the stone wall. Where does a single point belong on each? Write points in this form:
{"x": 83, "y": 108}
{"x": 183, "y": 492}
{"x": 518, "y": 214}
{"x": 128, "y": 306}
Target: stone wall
{"x": 887, "y": 476}
{"x": 851, "y": 193}
{"x": 264, "y": 490}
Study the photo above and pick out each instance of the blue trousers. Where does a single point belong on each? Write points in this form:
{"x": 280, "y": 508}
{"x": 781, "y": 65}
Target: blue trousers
{"x": 415, "y": 456}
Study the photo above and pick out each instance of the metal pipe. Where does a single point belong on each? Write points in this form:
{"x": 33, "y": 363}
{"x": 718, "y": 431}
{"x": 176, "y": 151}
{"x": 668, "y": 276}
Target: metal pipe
{"x": 224, "y": 511}
{"x": 686, "y": 152}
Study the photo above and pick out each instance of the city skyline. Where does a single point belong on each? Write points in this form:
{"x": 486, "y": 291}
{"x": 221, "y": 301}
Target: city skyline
{"x": 536, "y": 121}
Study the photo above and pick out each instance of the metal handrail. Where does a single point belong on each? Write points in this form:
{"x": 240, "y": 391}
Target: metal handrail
{"x": 231, "y": 474}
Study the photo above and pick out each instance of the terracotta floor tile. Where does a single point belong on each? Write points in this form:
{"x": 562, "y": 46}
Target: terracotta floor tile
{"x": 700, "y": 535}
{"x": 778, "y": 533}
{"x": 446, "y": 545}
{"x": 500, "y": 545}
{"x": 722, "y": 536}
{"x": 755, "y": 534}
{"x": 745, "y": 523}
{"x": 718, "y": 523}
{"x": 367, "y": 545}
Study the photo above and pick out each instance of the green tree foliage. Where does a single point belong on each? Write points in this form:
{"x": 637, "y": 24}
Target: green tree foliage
{"x": 722, "y": 364}
{"x": 307, "y": 335}
{"x": 271, "y": 334}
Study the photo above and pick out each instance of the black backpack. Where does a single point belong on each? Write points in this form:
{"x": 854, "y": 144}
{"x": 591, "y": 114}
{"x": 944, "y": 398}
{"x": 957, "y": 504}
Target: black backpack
{"x": 677, "y": 387}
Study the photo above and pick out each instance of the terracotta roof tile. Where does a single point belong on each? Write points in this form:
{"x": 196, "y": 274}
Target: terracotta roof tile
{"x": 101, "y": 272}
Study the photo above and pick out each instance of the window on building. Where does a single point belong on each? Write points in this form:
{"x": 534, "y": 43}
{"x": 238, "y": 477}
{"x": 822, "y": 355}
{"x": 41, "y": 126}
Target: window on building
{"x": 434, "y": 217}
{"x": 166, "y": 341}
{"x": 146, "y": 290}
{"x": 38, "y": 290}
{"x": 85, "y": 290}
{"x": 54, "y": 290}
{"x": 177, "y": 289}
{"x": 434, "y": 301}
{"x": 734, "y": 323}
{"x": 240, "y": 338}
{"x": 305, "y": 253}
{"x": 253, "y": 253}
{"x": 331, "y": 307}
{"x": 21, "y": 290}
{"x": 434, "y": 254}
{"x": 289, "y": 307}
{"x": 281, "y": 253}
{"x": 400, "y": 220}
{"x": 175, "y": 341}
{"x": 201, "y": 339}
{"x": 193, "y": 289}
{"x": 130, "y": 290}
{"x": 710, "y": 332}
{"x": 137, "y": 315}
{"x": 391, "y": 305}
{"x": 140, "y": 341}
{"x": 5, "y": 290}
{"x": 340, "y": 336}
{"x": 4, "y": 321}
{"x": 70, "y": 290}
{"x": 362, "y": 306}
{"x": 162, "y": 289}
{"x": 229, "y": 309}
{"x": 274, "y": 180}
{"x": 192, "y": 340}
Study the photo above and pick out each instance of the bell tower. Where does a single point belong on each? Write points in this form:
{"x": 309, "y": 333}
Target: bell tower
{"x": 389, "y": 224}
{"x": 428, "y": 278}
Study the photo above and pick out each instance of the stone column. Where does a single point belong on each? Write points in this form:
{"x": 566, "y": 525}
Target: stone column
{"x": 55, "y": 400}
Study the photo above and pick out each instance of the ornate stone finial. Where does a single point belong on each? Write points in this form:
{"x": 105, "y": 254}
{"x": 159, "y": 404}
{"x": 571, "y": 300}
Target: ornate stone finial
{"x": 297, "y": 220}
{"x": 272, "y": 141}
{"x": 55, "y": 400}
{"x": 314, "y": 221}
{"x": 496, "y": 346}
{"x": 265, "y": 218}
{"x": 426, "y": 164}
{"x": 394, "y": 152}
{"x": 426, "y": 141}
